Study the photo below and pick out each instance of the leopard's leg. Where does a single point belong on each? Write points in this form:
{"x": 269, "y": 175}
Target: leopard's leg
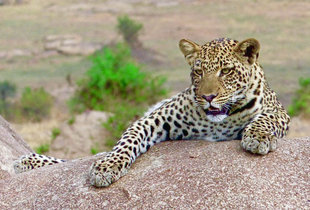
{"x": 261, "y": 135}
{"x": 136, "y": 140}
{"x": 33, "y": 161}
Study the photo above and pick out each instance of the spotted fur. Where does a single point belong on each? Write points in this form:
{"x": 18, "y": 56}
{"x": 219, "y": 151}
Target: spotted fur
{"x": 32, "y": 161}
{"x": 229, "y": 98}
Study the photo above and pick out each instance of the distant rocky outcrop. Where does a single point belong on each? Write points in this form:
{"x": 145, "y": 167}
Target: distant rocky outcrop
{"x": 70, "y": 45}
{"x": 172, "y": 175}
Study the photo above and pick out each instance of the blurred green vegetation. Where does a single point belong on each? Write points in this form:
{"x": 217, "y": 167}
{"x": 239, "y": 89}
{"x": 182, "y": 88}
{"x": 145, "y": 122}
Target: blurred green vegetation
{"x": 71, "y": 121}
{"x": 116, "y": 84}
{"x": 42, "y": 149}
{"x": 55, "y": 132}
{"x": 94, "y": 150}
{"x": 301, "y": 101}
{"x": 7, "y": 90}
{"x": 34, "y": 104}
{"x": 129, "y": 29}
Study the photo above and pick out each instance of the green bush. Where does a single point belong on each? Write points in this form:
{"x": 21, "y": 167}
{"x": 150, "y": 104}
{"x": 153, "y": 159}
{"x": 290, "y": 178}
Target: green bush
{"x": 55, "y": 132}
{"x": 116, "y": 84}
{"x": 7, "y": 90}
{"x": 42, "y": 149}
{"x": 115, "y": 78}
{"x": 71, "y": 121}
{"x": 35, "y": 104}
{"x": 129, "y": 29}
{"x": 94, "y": 151}
{"x": 301, "y": 101}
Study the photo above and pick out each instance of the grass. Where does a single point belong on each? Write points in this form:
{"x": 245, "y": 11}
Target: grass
{"x": 42, "y": 149}
{"x": 94, "y": 151}
{"x": 71, "y": 121}
{"x": 44, "y": 72}
{"x": 55, "y": 132}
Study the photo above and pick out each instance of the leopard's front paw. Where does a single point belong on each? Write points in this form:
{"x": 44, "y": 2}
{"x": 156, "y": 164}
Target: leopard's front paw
{"x": 22, "y": 164}
{"x": 105, "y": 172}
{"x": 261, "y": 147}
{"x": 33, "y": 161}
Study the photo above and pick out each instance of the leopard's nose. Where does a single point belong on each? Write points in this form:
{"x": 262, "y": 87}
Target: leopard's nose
{"x": 209, "y": 98}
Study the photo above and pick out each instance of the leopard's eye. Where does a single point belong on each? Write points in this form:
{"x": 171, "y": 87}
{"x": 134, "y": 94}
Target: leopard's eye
{"x": 226, "y": 71}
{"x": 197, "y": 62}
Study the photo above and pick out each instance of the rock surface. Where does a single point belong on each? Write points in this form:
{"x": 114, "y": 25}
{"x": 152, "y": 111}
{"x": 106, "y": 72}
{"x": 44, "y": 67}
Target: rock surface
{"x": 174, "y": 175}
{"x": 11, "y": 147}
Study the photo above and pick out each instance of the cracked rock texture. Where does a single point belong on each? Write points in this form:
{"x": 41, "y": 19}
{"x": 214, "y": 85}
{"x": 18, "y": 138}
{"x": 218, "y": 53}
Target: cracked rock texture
{"x": 172, "y": 175}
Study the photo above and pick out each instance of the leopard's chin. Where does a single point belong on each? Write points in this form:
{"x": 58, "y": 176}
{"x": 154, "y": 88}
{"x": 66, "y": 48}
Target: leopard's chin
{"x": 216, "y": 118}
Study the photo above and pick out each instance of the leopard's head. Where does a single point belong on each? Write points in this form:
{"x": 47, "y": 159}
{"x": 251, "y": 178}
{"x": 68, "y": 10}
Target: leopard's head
{"x": 221, "y": 72}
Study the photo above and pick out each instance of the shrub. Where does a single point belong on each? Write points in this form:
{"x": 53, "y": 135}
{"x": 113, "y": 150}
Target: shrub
{"x": 35, "y": 104}
{"x": 115, "y": 78}
{"x": 94, "y": 151}
{"x": 42, "y": 149}
{"x": 129, "y": 29}
{"x": 55, "y": 132}
{"x": 301, "y": 102}
{"x": 71, "y": 121}
{"x": 7, "y": 90}
{"x": 116, "y": 84}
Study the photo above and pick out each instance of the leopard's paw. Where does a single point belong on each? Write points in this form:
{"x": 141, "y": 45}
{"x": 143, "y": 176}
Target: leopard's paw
{"x": 259, "y": 147}
{"x": 32, "y": 161}
{"x": 105, "y": 172}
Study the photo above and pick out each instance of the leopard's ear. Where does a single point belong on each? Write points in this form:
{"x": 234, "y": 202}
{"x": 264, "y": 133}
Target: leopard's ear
{"x": 248, "y": 50}
{"x": 189, "y": 49}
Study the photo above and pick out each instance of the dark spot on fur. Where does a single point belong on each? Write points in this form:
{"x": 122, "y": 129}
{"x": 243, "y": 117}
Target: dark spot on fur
{"x": 178, "y": 116}
{"x": 167, "y": 128}
{"x": 177, "y": 124}
{"x": 195, "y": 130}
{"x": 185, "y": 133}
{"x": 247, "y": 106}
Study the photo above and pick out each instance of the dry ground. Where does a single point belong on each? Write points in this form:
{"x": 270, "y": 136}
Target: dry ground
{"x": 282, "y": 27}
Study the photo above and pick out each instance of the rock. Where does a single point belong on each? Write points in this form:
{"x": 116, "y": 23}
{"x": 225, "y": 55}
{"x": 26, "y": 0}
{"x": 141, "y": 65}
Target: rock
{"x": 15, "y": 53}
{"x": 78, "y": 139}
{"x": 174, "y": 175}
{"x": 70, "y": 45}
{"x": 12, "y": 146}
{"x": 19, "y": 53}
{"x": 80, "y": 49}
{"x": 53, "y": 42}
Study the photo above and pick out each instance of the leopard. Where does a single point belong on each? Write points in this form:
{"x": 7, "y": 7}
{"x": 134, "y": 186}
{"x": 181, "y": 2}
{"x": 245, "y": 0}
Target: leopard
{"x": 228, "y": 99}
